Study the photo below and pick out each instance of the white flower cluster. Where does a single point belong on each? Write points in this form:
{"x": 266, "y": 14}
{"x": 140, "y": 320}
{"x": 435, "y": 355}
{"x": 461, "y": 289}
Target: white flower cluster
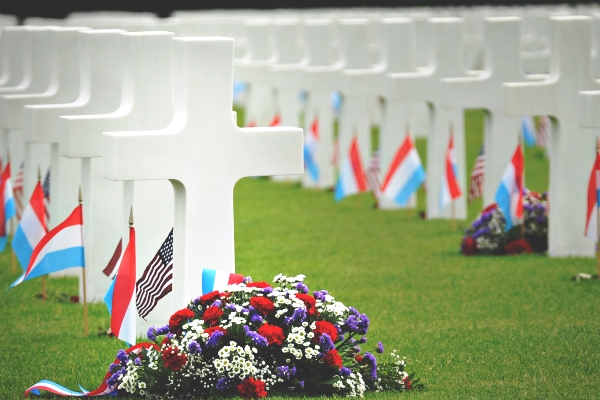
{"x": 235, "y": 361}
{"x": 354, "y": 383}
{"x": 130, "y": 381}
{"x": 299, "y": 336}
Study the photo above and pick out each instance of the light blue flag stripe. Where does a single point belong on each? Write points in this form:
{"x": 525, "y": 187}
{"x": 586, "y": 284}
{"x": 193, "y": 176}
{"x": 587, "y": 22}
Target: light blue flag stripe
{"x": 108, "y": 297}
{"x": 208, "y": 280}
{"x": 413, "y": 183}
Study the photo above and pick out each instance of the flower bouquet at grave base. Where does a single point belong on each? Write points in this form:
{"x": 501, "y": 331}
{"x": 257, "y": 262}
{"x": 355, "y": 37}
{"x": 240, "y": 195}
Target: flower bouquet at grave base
{"x": 487, "y": 236}
{"x": 254, "y": 339}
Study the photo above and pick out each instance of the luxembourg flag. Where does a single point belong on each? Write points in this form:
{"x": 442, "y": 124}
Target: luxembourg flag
{"x": 450, "y": 187}
{"x": 593, "y": 201}
{"x": 59, "y": 249}
{"x": 352, "y": 178}
{"x": 31, "y": 228}
{"x": 311, "y": 145}
{"x": 213, "y": 279}
{"x": 509, "y": 195}
{"x": 8, "y": 210}
{"x": 124, "y": 311}
{"x": 528, "y": 130}
{"x": 405, "y": 175}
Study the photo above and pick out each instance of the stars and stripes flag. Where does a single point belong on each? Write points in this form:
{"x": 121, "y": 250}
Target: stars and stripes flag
{"x": 450, "y": 187}
{"x": 477, "y": 175}
{"x": 311, "y": 147}
{"x": 59, "y": 249}
{"x": 213, "y": 279}
{"x": 123, "y": 310}
{"x": 374, "y": 172}
{"x": 593, "y": 201}
{"x": 18, "y": 189}
{"x": 509, "y": 195}
{"x": 46, "y": 188}
{"x": 351, "y": 179}
{"x": 157, "y": 280}
{"x": 405, "y": 174}
{"x": 7, "y": 204}
{"x": 32, "y": 227}
{"x": 542, "y": 131}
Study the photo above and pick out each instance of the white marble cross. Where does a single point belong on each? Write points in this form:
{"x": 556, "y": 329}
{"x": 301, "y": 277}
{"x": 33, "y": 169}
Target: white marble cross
{"x": 146, "y": 57}
{"x": 99, "y": 92}
{"x": 320, "y": 79}
{"x": 502, "y": 63}
{"x": 572, "y": 145}
{"x": 204, "y": 154}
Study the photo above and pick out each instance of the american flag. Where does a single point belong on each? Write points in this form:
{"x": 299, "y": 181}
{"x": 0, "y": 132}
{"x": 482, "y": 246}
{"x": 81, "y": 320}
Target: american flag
{"x": 477, "y": 176}
{"x": 46, "y": 189}
{"x": 543, "y": 128}
{"x": 157, "y": 279}
{"x": 18, "y": 190}
{"x": 373, "y": 174}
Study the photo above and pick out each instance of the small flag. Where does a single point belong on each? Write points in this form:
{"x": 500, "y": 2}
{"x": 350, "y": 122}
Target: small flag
{"x": 311, "y": 146}
{"x": 46, "y": 188}
{"x": 18, "y": 189}
{"x": 7, "y": 204}
{"x": 218, "y": 280}
{"x": 112, "y": 267}
{"x": 542, "y": 133}
{"x": 352, "y": 178}
{"x": 477, "y": 176}
{"x": 157, "y": 280}
{"x": 373, "y": 172}
{"x": 509, "y": 195}
{"x": 450, "y": 187}
{"x": 122, "y": 319}
{"x": 528, "y": 130}
{"x": 31, "y": 228}
{"x": 59, "y": 249}
{"x": 593, "y": 201}
{"x": 276, "y": 121}
{"x": 405, "y": 175}
{"x": 336, "y": 101}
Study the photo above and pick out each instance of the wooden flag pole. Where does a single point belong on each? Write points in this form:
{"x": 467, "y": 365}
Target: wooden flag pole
{"x": 85, "y": 307}
{"x": 13, "y": 256}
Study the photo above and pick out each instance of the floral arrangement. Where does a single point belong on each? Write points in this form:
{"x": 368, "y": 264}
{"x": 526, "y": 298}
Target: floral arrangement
{"x": 487, "y": 235}
{"x": 254, "y": 339}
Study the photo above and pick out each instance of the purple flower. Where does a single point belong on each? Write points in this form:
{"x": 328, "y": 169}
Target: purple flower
{"x": 214, "y": 339}
{"x": 285, "y": 372}
{"x": 325, "y": 343}
{"x": 255, "y": 338}
{"x": 247, "y": 279}
{"x": 302, "y": 288}
{"x": 137, "y": 362}
{"x": 345, "y": 372}
{"x": 194, "y": 347}
{"x": 379, "y": 347}
{"x": 301, "y": 384}
{"x": 287, "y": 320}
{"x": 266, "y": 291}
{"x": 151, "y": 335}
{"x": 481, "y": 232}
{"x": 320, "y": 294}
{"x": 122, "y": 355}
{"x": 217, "y": 303}
{"x": 372, "y": 362}
{"x": 224, "y": 383}
{"x": 170, "y": 335}
{"x": 363, "y": 339}
{"x": 114, "y": 379}
{"x": 113, "y": 367}
{"x": 299, "y": 314}
{"x": 162, "y": 330}
{"x": 256, "y": 318}
{"x": 230, "y": 307}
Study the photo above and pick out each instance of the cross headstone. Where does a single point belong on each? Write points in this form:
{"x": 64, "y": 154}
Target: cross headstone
{"x": 146, "y": 57}
{"x": 204, "y": 154}
{"x": 320, "y": 79}
{"x": 558, "y": 96}
{"x": 99, "y": 92}
{"x": 501, "y": 64}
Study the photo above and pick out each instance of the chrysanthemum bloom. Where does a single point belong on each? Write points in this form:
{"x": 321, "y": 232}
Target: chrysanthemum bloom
{"x": 173, "y": 359}
{"x": 252, "y": 388}
{"x": 272, "y": 333}
{"x": 262, "y": 305}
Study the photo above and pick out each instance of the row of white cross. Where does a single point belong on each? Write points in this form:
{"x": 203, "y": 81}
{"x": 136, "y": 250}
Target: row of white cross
{"x": 120, "y": 112}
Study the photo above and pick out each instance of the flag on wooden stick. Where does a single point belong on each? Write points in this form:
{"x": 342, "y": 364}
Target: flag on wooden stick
{"x": 477, "y": 176}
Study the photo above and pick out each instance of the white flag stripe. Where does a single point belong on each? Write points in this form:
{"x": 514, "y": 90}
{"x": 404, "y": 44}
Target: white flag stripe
{"x": 403, "y": 173}
{"x": 32, "y": 227}
{"x": 127, "y": 332}
{"x": 347, "y": 177}
{"x": 65, "y": 239}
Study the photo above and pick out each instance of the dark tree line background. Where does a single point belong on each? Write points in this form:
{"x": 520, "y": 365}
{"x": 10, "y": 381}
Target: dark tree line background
{"x": 164, "y": 8}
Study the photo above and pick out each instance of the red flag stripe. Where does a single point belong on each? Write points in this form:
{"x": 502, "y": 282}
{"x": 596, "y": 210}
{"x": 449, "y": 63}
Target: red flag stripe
{"x": 406, "y": 146}
{"x": 357, "y": 166}
{"x": 124, "y": 285}
{"x": 519, "y": 165}
{"x": 235, "y": 278}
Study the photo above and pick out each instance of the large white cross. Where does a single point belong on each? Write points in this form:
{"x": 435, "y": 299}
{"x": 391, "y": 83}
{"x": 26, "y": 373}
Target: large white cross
{"x": 572, "y": 154}
{"x": 99, "y": 92}
{"x": 147, "y": 57}
{"x": 204, "y": 154}
{"x": 501, "y": 64}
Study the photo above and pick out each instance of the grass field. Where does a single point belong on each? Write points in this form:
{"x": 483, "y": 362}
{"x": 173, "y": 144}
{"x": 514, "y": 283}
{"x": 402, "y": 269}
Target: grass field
{"x": 470, "y": 327}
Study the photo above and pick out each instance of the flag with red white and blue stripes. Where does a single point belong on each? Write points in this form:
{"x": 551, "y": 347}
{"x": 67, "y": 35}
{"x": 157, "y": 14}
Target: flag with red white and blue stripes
{"x": 405, "y": 175}
{"x": 593, "y": 201}
{"x": 509, "y": 195}
{"x": 7, "y": 204}
{"x": 31, "y": 229}
{"x": 450, "y": 186}
{"x": 351, "y": 179}
{"x": 213, "y": 279}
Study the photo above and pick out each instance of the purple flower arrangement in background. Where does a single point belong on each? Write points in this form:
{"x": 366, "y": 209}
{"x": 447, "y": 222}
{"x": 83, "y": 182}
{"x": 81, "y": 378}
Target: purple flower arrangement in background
{"x": 487, "y": 236}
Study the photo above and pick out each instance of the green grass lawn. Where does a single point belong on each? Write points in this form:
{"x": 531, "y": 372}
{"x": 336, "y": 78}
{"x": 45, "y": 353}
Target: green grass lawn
{"x": 470, "y": 327}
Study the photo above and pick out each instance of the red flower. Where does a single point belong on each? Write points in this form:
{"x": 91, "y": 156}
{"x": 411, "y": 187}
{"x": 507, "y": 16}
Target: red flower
{"x": 165, "y": 340}
{"x": 212, "y": 315}
{"x": 491, "y": 207}
{"x": 358, "y": 358}
{"x": 324, "y": 327}
{"x": 210, "y": 297}
{"x": 332, "y": 357}
{"x": 178, "y": 318}
{"x": 468, "y": 245}
{"x": 252, "y": 388}
{"x": 272, "y": 333}
{"x": 262, "y": 305}
{"x": 407, "y": 383}
{"x": 173, "y": 359}
{"x": 519, "y": 246}
{"x": 213, "y": 329}
{"x": 309, "y": 302}
{"x": 261, "y": 285}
